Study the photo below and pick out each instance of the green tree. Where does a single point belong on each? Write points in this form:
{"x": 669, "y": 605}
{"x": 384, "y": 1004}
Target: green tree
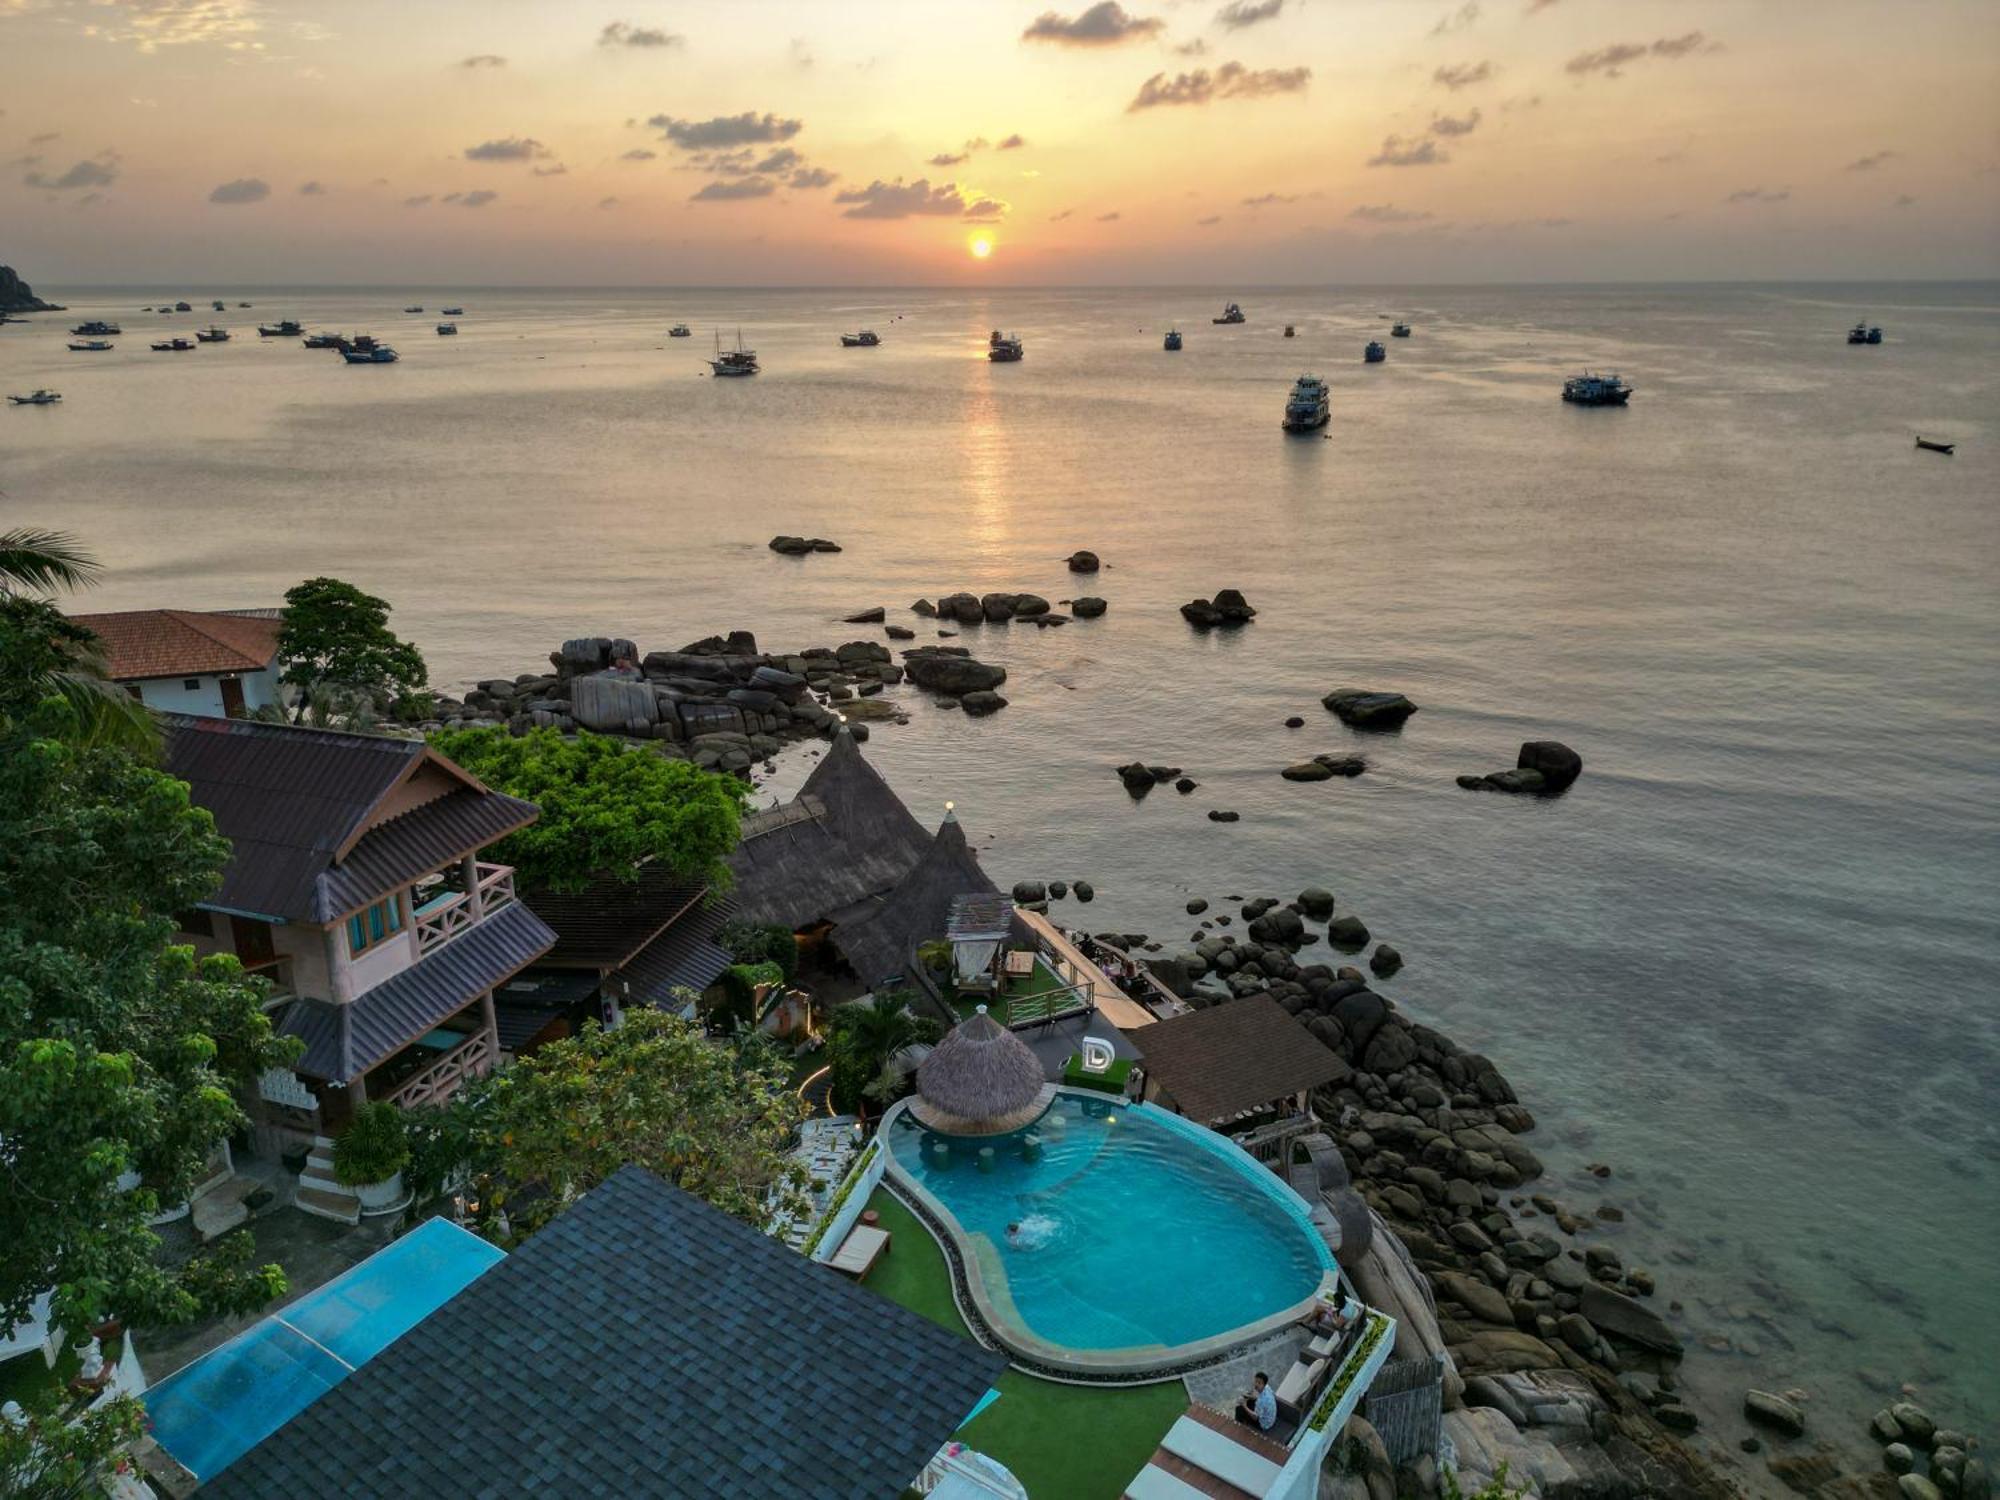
{"x": 119, "y": 1050}
{"x": 708, "y": 1117}
{"x": 52, "y": 656}
{"x": 864, "y": 1038}
{"x": 64, "y": 1453}
{"x": 334, "y": 638}
{"x": 607, "y": 808}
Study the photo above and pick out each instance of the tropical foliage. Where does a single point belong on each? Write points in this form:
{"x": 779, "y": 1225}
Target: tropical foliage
{"x": 373, "y": 1148}
{"x": 607, "y": 808}
{"x": 863, "y": 1041}
{"x": 49, "y": 656}
{"x": 760, "y": 942}
{"x": 58, "y": 1452}
{"x": 336, "y": 646}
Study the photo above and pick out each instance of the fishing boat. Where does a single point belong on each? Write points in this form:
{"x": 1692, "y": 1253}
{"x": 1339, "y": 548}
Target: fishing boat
{"x": 865, "y": 339}
{"x": 1596, "y": 390}
{"x": 447, "y": 329}
{"x": 1309, "y": 407}
{"x": 90, "y": 346}
{"x": 1934, "y": 446}
{"x": 1399, "y": 331}
{"x": 1374, "y": 354}
{"x": 1008, "y": 351}
{"x": 733, "y": 363}
{"x": 325, "y": 341}
{"x": 37, "y": 398}
{"x": 413, "y": 309}
{"x": 679, "y": 331}
{"x": 218, "y": 305}
{"x": 1291, "y": 332}
{"x": 1861, "y": 333}
{"x": 285, "y": 328}
{"x": 243, "y": 304}
{"x": 993, "y": 338}
{"x": 95, "y": 328}
{"x": 376, "y": 354}
{"x": 182, "y": 307}
{"x": 173, "y": 346}
{"x": 1231, "y": 314}
{"x": 452, "y": 312}
{"x": 212, "y": 335}
{"x": 1173, "y": 341}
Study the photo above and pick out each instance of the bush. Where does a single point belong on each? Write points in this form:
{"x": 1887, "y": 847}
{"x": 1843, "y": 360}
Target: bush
{"x": 374, "y": 1147}
{"x": 756, "y": 942}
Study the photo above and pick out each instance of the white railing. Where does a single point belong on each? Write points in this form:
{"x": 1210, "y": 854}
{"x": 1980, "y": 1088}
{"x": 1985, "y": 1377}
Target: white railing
{"x": 445, "y": 1077}
{"x": 442, "y": 922}
{"x": 496, "y": 886}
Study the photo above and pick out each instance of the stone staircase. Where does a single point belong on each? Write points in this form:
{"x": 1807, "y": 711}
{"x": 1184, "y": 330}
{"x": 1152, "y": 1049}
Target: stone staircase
{"x": 320, "y": 1193}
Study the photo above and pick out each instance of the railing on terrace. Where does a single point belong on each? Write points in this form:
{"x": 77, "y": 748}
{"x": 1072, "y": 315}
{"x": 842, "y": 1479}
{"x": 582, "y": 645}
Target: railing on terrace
{"x": 1049, "y": 1005}
{"x": 442, "y": 919}
{"x": 496, "y": 886}
{"x": 1270, "y": 1143}
{"x": 438, "y": 1081}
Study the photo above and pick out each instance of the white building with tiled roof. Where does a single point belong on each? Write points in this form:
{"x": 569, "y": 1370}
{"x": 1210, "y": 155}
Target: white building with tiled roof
{"x": 212, "y": 663}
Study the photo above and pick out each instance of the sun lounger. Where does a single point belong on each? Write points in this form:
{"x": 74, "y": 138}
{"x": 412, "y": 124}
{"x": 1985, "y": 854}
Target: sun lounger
{"x": 1222, "y": 1456}
{"x": 858, "y": 1253}
{"x": 1298, "y": 1382}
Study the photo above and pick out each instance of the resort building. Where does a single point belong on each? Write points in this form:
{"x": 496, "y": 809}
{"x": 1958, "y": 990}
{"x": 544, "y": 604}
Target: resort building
{"x": 215, "y": 663}
{"x": 356, "y": 887}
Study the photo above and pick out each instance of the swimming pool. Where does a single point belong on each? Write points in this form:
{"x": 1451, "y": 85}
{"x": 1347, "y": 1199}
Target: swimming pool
{"x": 210, "y": 1413}
{"x": 1139, "y": 1239}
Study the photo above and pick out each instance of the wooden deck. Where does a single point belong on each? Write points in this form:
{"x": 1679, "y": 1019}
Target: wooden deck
{"x": 1111, "y": 1002}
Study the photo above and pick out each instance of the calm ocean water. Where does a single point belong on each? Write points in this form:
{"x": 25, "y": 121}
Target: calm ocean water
{"x": 1749, "y": 961}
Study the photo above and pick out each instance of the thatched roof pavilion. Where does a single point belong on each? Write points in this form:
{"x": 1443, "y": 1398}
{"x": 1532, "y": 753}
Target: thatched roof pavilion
{"x": 882, "y": 944}
{"x": 981, "y": 1080}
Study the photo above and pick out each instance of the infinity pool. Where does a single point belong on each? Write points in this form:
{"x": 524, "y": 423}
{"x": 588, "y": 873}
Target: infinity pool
{"x": 210, "y": 1413}
{"x": 1132, "y": 1229}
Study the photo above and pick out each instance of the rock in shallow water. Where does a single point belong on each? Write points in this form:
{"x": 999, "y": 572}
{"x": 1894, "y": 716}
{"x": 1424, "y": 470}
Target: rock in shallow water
{"x": 1774, "y": 1412}
{"x": 1367, "y": 708}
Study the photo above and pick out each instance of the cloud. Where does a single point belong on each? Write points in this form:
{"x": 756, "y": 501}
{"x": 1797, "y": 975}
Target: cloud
{"x": 1457, "y": 20}
{"x": 813, "y": 177}
{"x": 1230, "y": 81}
{"x": 511, "y": 148}
{"x": 622, "y": 34}
{"x": 1397, "y": 152}
{"x": 1193, "y": 48}
{"x": 1456, "y": 76}
{"x": 949, "y": 158}
{"x": 1866, "y": 163}
{"x": 418, "y": 201}
{"x": 558, "y": 170}
{"x": 1058, "y": 218}
{"x": 1445, "y": 125}
{"x": 733, "y": 189}
{"x": 781, "y": 160}
{"x": 986, "y": 208}
{"x": 640, "y": 153}
{"x": 1111, "y": 218}
{"x": 1759, "y": 195}
{"x": 483, "y": 60}
{"x": 1268, "y": 200}
{"x": 977, "y": 143}
{"x": 477, "y": 198}
{"x": 241, "y": 190}
{"x": 1611, "y": 61}
{"x": 312, "y": 190}
{"x": 1387, "y": 213}
{"x": 1105, "y": 24}
{"x": 99, "y": 171}
{"x": 152, "y": 24}
{"x": 1210, "y": 222}
{"x": 746, "y": 129}
{"x": 1011, "y": 143}
{"x": 1241, "y": 13}
{"x": 901, "y": 200}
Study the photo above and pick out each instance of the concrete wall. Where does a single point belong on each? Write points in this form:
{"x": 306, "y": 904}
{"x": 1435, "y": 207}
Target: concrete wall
{"x": 205, "y": 698}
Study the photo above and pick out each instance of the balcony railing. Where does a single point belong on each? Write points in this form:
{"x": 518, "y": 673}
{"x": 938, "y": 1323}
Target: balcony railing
{"x": 496, "y": 886}
{"x": 443, "y": 918}
{"x": 445, "y": 1077}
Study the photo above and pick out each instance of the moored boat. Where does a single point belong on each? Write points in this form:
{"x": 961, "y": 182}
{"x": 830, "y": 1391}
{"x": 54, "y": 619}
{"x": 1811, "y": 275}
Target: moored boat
{"x": 446, "y": 329}
{"x": 1230, "y": 314}
{"x": 212, "y": 335}
{"x": 1596, "y": 390}
{"x": 1009, "y": 350}
{"x": 413, "y": 309}
{"x": 1934, "y": 446}
{"x": 1291, "y": 332}
{"x": 172, "y": 346}
{"x": 1374, "y": 354}
{"x": 865, "y": 339}
{"x": 732, "y": 364}
{"x": 325, "y": 341}
{"x": 90, "y": 346}
{"x": 284, "y": 328}
{"x": 1173, "y": 340}
{"x": 1399, "y": 331}
{"x": 375, "y": 354}
{"x": 217, "y": 305}
{"x": 1309, "y": 407}
{"x": 452, "y": 312}
{"x": 680, "y": 331}
{"x": 95, "y": 328}
{"x": 37, "y": 398}
{"x": 182, "y": 307}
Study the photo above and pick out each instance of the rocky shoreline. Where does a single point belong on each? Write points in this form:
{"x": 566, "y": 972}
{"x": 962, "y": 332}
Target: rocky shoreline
{"x": 16, "y": 296}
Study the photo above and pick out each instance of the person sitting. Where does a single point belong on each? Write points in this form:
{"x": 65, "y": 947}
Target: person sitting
{"x": 1259, "y": 1407}
{"x": 1328, "y": 1319}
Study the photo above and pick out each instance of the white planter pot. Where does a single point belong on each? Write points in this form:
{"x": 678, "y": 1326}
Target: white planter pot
{"x": 380, "y": 1197}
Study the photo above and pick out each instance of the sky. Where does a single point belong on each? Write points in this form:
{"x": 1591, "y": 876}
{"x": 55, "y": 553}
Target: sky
{"x": 799, "y": 142}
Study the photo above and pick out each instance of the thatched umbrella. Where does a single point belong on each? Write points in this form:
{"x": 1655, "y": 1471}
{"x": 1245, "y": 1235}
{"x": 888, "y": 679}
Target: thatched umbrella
{"x": 981, "y": 1080}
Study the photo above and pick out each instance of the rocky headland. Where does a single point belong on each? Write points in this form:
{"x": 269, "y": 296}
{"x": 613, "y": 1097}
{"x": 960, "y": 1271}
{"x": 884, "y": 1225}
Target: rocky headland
{"x": 16, "y": 296}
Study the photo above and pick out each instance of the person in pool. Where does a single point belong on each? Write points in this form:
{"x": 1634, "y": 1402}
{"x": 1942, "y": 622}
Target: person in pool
{"x": 1259, "y": 1406}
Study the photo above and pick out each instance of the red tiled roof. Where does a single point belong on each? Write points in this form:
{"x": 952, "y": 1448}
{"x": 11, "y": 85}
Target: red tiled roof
{"x": 144, "y": 643}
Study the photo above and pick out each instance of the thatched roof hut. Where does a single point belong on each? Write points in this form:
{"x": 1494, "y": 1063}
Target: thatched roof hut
{"x": 880, "y": 945}
{"x": 981, "y": 1080}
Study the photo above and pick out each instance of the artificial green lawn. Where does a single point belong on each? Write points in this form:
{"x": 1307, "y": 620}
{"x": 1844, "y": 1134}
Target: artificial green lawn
{"x": 1024, "y": 990}
{"x": 1060, "y": 1440}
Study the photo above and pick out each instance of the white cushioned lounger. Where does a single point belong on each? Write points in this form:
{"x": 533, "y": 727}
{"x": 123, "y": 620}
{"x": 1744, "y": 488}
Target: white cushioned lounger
{"x": 1223, "y": 1457}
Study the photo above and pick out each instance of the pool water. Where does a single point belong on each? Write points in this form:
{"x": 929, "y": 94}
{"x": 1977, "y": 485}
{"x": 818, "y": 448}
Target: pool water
{"x": 1132, "y": 1227}
{"x": 210, "y": 1413}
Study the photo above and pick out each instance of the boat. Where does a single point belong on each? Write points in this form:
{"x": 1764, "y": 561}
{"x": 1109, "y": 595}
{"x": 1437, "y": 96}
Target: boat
{"x": 285, "y": 328}
{"x": 1934, "y": 446}
{"x": 993, "y": 339}
{"x": 90, "y": 346}
{"x": 1008, "y": 351}
{"x": 1309, "y": 407}
{"x": 1173, "y": 341}
{"x": 731, "y": 363}
{"x": 1862, "y": 333}
{"x": 218, "y": 305}
{"x": 1374, "y": 354}
{"x": 1874, "y": 335}
{"x": 376, "y": 354}
{"x": 866, "y": 339}
{"x": 1400, "y": 331}
{"x": 1231, "y": 314}
{"x": 447, "y": 328}
{"x": 679, "y": 331}
{"x": 95, "y": 328}
{"x": 1596, "y": 390}
{"x": 181, "y": 307}
{"x": 37, "y": 398}
{"x": 413, "y": 309}
{"x": 1290, "y": 332}
{"x": 243, "y": 304}
{"x": 212, "y": 335}
{"x": 452, "y": 312}
{"x": 324, "y": 341}
{"x": 173, "y": 346}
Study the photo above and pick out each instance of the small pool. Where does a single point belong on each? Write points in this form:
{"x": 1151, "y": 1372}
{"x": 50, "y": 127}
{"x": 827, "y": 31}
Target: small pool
{"x": 210, "y": 1413}
{"x": 1140, "y": 1236}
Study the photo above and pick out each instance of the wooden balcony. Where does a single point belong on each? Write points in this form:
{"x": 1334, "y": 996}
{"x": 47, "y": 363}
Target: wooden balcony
{"x": 495, "y": 886}
{"x": 439, "y": 1080}
{"x": 444, "y": 917}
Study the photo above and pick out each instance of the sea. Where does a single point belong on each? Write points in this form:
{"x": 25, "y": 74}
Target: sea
{"x": 1750, "y": 962}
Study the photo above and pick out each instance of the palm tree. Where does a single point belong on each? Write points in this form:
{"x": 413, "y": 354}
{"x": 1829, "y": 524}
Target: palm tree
{"x": 872, "y": 1035}
{"x": 35, "y": 564}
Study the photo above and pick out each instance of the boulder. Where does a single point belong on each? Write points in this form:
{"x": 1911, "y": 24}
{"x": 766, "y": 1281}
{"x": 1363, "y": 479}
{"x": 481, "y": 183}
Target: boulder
{"x": 924, "y": 609}
{"x": 1216, "y": 815}
{"x": 1365, "y": 708}
{"x": 1520, "y": 779}
{"x": 585, "y": 654}
{"x": 1083, "y": 890}
{"x": 964, "y": 608}
{"x": 1618, "y": 1316}
{"x": 609, "y": 704}
{"x": 1082, "y": 561}
{"x": 1027, "y": 606}
{"x": 1342, "y": 765}
{"x": 1916, "y": 1487}
{"x": 1307, "y": 770}
{"x": 1775, "y": 1412}
{"x": 1233, "y": 607}
{"x": 1558, "y": 764}
{"x": 1315, "y": 902}
{"x": 821, "y": 544}
{"x": 1295, "y": 722}
{"x": 997, "y": 607}
{"x": 791, "y": 546}
{"x": 1137, "y": 778}
{"x": 1030, "y": 890}
{"x": 981, "y": 702}
{"x": 1481, "y": 1300}
{"x": 1898, "y": 1459}
{"x": 899, "y": 632}
{"x": 1913, "y": 1423}
{"x": 1089, "y": 607}
{"x": 1384, "y": 961}
{"x": 929, "y": 667}
{"x": 1201, "y": 614}
{"x": 1348, "y": 932}
{"x": 873, "y": 616}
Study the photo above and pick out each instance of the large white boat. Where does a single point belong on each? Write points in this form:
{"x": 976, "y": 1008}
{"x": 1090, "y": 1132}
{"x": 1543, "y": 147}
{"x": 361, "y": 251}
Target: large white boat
{"x": 729, "y": 363}
{"x": 1309, "y": 408}
{"x": 1006, "y": 351}
{"x": 1596, "y": 390}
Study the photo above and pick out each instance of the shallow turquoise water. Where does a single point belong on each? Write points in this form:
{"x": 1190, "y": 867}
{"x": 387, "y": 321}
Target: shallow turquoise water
{"x": 1131, "y": 1231}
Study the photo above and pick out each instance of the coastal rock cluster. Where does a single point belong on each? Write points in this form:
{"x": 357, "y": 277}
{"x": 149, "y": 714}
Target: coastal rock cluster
{"x": 17, "y": 296}
{"x": 1228, "y": 608}
{"x": 799, "y": 546}
{"x": 1546, "y": 766}
{"x": 992, "y": 609}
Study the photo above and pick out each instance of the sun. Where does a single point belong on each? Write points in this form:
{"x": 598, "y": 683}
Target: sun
{"x": 981, "y": 246}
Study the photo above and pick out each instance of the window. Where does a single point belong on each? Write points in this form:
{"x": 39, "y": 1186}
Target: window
{"x": 192, "y": 684}
{"x": 366, "y": 929}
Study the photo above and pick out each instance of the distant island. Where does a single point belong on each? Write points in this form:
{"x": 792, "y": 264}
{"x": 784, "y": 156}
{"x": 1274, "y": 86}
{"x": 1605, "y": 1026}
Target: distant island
{"x": 17, "y": 296}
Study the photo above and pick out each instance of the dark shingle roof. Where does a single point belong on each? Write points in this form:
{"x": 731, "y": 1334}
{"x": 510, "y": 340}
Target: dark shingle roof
{"x": 345, "y": 1041}
{"x": 291, "y": 801}
{"x": 644, "y": 1344}
{"x": 1239, "y": 1055}
{"x": 607, "y": 922}
{"x": 846, "y": 840}
{"x": 684, "y": 956}
{"x": 918, "y": 910}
